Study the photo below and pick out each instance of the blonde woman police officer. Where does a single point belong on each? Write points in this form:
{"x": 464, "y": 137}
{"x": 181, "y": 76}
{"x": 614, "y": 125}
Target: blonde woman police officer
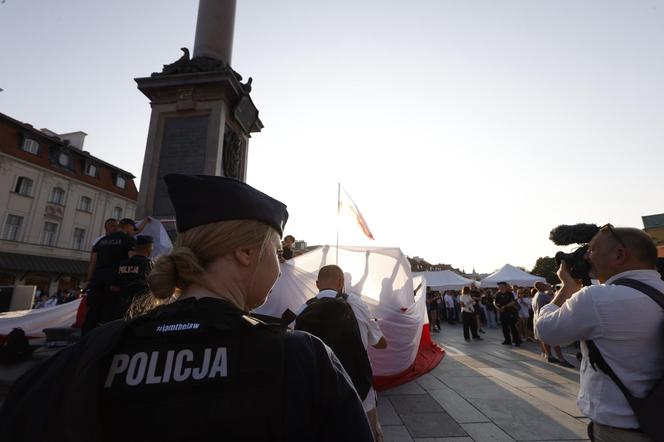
{"x": 197, "y": 366}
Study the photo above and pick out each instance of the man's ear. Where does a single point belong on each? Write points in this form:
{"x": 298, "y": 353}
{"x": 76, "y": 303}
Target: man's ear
{"x": 622, "y": 255}
{"x": 317, "y": 285}
{"x": 244, "y": 255}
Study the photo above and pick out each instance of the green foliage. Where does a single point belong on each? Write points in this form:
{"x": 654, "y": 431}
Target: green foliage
{"x": 546, "y": 267}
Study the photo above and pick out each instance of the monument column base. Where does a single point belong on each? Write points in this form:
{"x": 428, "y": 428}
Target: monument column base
{"x": 201, "y": 123}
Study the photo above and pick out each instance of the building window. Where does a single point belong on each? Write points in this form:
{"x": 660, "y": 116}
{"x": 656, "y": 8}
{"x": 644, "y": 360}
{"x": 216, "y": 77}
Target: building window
{"x": 91, "y": 170}
{"x": 85, "y": 204}
{"x": 79, "y": 239}
{"x": 49, "y": 234}
{"x": 64, "y": 160}
{"x": 12, "y": 230}
{"x": 57, "y": 196}
{"x": 117, "y": 213}
{"x": 23, "y": 186}
{"x": 30, "y": 146}
{"x": 120, "y": 181}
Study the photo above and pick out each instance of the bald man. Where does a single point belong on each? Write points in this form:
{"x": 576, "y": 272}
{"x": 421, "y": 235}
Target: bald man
{"x": 623, "y": 322}
{"x": 330, "y": 283}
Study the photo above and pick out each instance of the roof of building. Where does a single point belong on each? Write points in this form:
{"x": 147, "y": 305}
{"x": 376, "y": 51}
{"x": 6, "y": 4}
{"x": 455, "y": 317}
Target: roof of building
{"x": 653, "y": 221}
{"x": 57, "y": 140}
{"x": 42, "y": 264}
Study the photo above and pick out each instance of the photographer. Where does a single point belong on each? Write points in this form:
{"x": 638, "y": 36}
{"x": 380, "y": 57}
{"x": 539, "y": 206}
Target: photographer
{"x": 624, "y": 323}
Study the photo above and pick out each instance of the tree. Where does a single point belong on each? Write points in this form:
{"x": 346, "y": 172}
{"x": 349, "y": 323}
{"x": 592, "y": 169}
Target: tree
{"x": 546, "y": 267}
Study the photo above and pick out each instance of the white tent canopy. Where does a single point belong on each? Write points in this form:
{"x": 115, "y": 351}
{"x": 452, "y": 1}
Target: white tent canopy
{"x": 445, "y": 280}
{"x": 512, "y": 275}
{"x": 382, "y": 277}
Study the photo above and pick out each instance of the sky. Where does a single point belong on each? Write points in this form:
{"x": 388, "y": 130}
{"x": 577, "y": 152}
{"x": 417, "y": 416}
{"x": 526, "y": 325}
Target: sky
{"x": 463, "y": 130}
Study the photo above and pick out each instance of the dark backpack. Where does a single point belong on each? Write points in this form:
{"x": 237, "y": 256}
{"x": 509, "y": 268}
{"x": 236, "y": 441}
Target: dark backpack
{"x": 16, "y": 348}
{"x": 648, "y": 410}
{"x": 333, "y": 321}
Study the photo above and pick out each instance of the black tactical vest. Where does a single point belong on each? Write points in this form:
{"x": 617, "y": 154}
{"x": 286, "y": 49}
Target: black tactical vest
{"x": 195, "y": 370}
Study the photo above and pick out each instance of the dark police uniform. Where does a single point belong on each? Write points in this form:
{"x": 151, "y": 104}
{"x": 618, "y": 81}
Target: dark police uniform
{"x": 197, "y": 369}
{"x": 131, "y": 281}
{"x": 508, "y": 318}
{"x": 194, "y": 370}
{"x": 110, "y": 250}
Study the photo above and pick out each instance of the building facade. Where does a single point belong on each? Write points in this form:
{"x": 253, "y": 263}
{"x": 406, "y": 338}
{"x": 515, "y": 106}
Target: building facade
{"x": 54, "y": 199}
{"x": 654, "y": 226}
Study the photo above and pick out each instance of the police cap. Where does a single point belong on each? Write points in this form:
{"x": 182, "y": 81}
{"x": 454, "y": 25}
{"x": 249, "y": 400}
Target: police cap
{"x": 205, "y": 199}
{"x": 127, "y": 221}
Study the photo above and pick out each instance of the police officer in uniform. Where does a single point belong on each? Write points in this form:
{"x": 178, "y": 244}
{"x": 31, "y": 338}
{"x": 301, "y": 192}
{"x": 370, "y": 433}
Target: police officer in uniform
{"x": 131, "y": 281}
{"x": 107, "y": 254}
{"x": 197, "y": 366}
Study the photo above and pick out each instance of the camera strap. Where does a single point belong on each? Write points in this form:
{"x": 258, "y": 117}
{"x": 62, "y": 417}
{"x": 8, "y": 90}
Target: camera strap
{"x": 595, "y": 358}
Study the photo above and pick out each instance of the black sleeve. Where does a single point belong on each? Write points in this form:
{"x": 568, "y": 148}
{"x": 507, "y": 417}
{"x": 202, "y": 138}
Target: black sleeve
{"x": 35, "y": 399}
{"x": 130, "y": 243}
{"x": 146, "y": 268}
{"x": 321, "y": 404}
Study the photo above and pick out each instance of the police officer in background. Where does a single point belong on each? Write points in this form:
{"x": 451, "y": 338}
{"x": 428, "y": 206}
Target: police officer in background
{"x": 107, "y": 254}
{"x": 131, "y": 281}
{"x": 197, "y": 366}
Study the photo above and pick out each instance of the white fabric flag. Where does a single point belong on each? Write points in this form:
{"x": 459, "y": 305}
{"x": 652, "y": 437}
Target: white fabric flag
{"x": 162, "y": 242}
{"x": 381, "y": 276}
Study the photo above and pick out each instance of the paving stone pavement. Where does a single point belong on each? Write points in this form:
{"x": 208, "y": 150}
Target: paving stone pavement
{"x": 485, "y": 391}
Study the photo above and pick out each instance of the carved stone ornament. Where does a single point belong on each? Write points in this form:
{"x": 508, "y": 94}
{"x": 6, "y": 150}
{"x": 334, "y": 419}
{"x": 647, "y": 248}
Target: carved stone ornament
{"x": 232, "y": 154}
{"x": 53, "y": 211}
{"x": 187, "y": 65}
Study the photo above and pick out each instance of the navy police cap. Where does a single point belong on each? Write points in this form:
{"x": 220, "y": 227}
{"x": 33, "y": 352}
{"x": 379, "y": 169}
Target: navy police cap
{"x": 205, "y": 199}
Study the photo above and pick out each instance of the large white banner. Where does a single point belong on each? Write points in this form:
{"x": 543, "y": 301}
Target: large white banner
{"x": 382, "y": 277}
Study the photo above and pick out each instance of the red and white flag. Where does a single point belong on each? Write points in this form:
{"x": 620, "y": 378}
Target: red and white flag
{"x": 347, "y": 207}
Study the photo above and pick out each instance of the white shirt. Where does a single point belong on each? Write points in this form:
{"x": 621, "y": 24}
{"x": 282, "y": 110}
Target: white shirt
{"x": 524, "y": 305}
{"x": 626, "y": 325}
{"x": 466, "y": 303}
{"x": 449, "y": 301}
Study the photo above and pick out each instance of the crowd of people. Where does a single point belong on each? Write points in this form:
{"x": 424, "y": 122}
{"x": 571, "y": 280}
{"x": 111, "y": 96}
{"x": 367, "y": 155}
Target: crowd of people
{"x": 512, "y": 308}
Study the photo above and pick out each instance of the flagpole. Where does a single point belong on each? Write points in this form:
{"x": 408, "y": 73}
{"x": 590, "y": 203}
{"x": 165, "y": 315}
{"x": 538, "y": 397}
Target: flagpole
{"x": 338, "y": 203}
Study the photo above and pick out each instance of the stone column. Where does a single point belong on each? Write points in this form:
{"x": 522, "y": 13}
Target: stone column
{"x": 214, "y": 30}
{"x": 202, "y": 113}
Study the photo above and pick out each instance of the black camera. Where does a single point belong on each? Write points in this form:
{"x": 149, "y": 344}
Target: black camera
{"x": 576, "y": 262}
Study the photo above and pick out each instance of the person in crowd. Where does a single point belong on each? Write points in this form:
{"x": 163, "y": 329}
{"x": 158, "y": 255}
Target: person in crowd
{"x": 440, "y": 307}
{"x": 129, "y": 226}
{"x": 523, "y": 304}
{"x": 457, "y": 306}
{"x": 487, "y": 301}
{"x": 621, "y": 323}
{"x": 480, "y": 316}
{"x": 198, "y": 366}
{"x": 541, "y": 298}
{"x": 448, "y": 300}
{"x": 330, "y": 283}
{"x": 287, "y": 248}
{"x": 65, "y": 295}
{"x": 131, "y": 281}
{"x": 506, "y": 306}
{"x": 432, "y": 311}
{"x": 468, "y": 315}
{"x": 531, "y": 313}
{"x": 106, "y": 256}
{"x": 46, "y": 301}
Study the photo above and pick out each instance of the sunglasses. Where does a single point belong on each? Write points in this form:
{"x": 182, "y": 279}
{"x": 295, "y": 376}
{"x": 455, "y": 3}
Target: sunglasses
{"x": 612, "y": 230}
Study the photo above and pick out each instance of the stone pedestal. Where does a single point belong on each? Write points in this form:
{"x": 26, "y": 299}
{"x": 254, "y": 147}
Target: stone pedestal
{"x": 202, "y": 118}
